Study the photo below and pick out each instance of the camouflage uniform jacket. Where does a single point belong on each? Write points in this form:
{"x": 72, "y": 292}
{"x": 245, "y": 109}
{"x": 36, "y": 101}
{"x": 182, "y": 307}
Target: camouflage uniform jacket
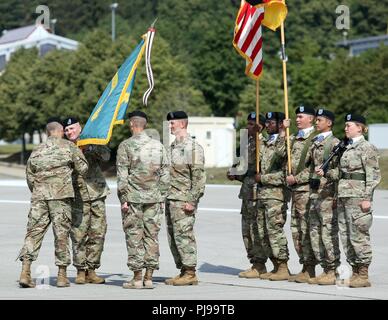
{"x": 248, "y": 179}
{"x": 315, "y": 158}
{"x": 142, "y": 170}
{"x": 50, "y": 167}
{"x": 188, "y": 176}
{"x": 359, "y": 158}
{"x": 273, "y": 162}
{"x": 302, "y": 177}
{"x": 93, "y": 186}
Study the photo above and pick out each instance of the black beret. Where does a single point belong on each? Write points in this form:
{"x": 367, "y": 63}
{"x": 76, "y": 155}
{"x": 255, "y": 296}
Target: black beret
{"x": 305, "y": 110}
{"x": 137, "y": 113}
{"x": 69, "y": 121}
{"x": 355, "y": 118}
{"x": 325, "y": 113}
{"x": 54, "y": 119}
{"x": 252, "y": 116}
{"x": 176, "y": 115}
{"x": 278, "y": 116}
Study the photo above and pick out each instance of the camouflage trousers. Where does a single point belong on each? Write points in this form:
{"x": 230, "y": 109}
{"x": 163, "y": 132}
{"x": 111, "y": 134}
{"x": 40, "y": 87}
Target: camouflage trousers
{"x": 274, "y": 213}
{"x": 250, "y": 225}
{"x": 88, "y": 233}
{"x": 324, "y": 231}
{"x": 300, "y": 227}
{"x": 42, "y": 213}
{"x": 141, "y": 224}
{"x": 180, "y": 233}
{"x": 354, "y": 225}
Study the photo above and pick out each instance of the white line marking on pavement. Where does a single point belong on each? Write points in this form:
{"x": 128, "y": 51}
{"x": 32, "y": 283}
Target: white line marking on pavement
{"x": 110, "y": 205}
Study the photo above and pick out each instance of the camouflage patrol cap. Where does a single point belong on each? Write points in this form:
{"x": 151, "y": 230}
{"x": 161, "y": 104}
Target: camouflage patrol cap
{"x": 355, "y": 118}
{"x": 252, "y": 116}
{"x": 53, "y": 119}
{"x": 137, "y": 113}
{"x": 277, "y": 116}
{"x": 176, "y": 115}
{"x": 325, "y": 113}
{"x": 69, "y": 121}
{"x": 305, "y": 110}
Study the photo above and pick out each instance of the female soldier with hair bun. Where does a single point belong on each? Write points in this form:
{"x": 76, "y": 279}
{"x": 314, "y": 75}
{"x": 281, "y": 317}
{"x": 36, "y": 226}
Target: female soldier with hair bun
{"x": 359, "y": 176}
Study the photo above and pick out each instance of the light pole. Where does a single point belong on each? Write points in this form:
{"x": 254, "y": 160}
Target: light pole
{"x": 114, "y": 6}
{"x": 53, "y": 22}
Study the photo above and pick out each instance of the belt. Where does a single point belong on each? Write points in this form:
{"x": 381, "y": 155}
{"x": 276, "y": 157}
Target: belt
{"x": 353, "y": 176}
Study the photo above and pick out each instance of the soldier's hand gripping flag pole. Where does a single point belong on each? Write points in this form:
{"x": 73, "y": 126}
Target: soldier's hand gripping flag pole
{"x": 112, "y": 105}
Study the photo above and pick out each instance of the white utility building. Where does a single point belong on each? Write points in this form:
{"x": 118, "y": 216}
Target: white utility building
{"x": 30, "y": 37}
{"x": 217, "y": 137}
{"x": 377, "y": 135}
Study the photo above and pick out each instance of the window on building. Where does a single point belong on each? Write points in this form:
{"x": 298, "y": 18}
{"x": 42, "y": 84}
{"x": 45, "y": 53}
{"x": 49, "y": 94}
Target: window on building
{"x": 208, "y": 135}
{"x": 45, "y": 48}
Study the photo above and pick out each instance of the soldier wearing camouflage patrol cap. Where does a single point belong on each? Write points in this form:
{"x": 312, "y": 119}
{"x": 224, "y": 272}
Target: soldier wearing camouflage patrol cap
{"x": 273, "y": 197}
{"x": 188, "y": 179}
{"x": 298, "y": 182}
{"x": 323, "y": 220}
{"x": 143, "y": 180}
{"x": 249, "y": 222}
{"x": 49, "y": 178}
{"x": 89, "y": 213}
{"x": 359, "y": 176}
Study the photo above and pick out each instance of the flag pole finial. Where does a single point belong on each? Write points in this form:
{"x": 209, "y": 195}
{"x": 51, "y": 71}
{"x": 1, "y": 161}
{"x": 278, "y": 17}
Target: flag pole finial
{"x": 153, "y": 23}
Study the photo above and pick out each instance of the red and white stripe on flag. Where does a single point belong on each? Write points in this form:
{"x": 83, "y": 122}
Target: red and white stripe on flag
{"x": 248, "y": 39}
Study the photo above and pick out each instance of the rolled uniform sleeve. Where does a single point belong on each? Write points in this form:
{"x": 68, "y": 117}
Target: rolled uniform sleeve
{"x": 370, "y": 161}
{"x": 80, "y": 163}
{"x": 123, "y": 164}
{"x": 198, "y": 174}
{"x": 30, "y": 176}
{"x": 164, "y": 174}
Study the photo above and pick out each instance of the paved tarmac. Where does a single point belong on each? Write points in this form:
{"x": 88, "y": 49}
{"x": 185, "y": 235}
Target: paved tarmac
{"x": 221, "y": 256}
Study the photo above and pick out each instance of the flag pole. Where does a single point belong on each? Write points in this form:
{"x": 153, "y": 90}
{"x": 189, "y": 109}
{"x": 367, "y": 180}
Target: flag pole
{"x": 257, "y": 123}
{"x": 284, "y": 62}
{"x": 257, "y": 135}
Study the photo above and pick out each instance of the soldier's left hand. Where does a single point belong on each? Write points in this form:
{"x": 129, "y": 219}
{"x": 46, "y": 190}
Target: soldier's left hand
{"x": 258, "y": 177}
{"x": 290, "y": 180}
{"x": 365, "y": 205}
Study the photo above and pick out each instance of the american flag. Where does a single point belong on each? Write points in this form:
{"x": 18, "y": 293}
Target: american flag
{"x": 248, "y": 39}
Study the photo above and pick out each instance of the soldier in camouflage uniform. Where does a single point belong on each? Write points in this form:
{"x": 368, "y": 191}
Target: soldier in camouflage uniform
{"x": 298, "y": 181}
{"x": 272, "y": 195}
{"x": 188, "y": 179}
{"x": 248, "y": 194}
{"x": 143, "y": 179}
{"x": 323, "y": 220}
{"x": 49, "y": 171}
{"x": 89, "y": 218}
{"x": 359, "y": 176}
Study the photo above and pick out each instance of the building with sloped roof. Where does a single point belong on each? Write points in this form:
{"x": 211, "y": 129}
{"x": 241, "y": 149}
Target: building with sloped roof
{"x": 30, "y": 37}
{"x": 357, "y": 46}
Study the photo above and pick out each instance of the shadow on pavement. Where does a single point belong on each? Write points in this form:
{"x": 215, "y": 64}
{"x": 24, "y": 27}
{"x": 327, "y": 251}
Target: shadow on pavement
{"x": 211, "y": 268}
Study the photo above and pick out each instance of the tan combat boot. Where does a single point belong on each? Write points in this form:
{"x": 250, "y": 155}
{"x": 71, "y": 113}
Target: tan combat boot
{"x": 327, "y": 278}
{"x": 361, "y": 280}
{"x": 281, "y": 274}
{"x": 136, "y": 282}
{"x": 25, "y": 280}
{"x": 91, "y": 277}
{"x": 355, "y": 273}
{"x": 307, "y": 275}
{"x": 170, "y": 281}
{"x": 62, "y": 280}
{"x": 189, "y": 278}
{"x": 265, "y": 276}
{"x": 254, "y": 272}
{"x": 147, "y": 281}
{"x": 80, "y": 279}
{"x": 293, "y": 277}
